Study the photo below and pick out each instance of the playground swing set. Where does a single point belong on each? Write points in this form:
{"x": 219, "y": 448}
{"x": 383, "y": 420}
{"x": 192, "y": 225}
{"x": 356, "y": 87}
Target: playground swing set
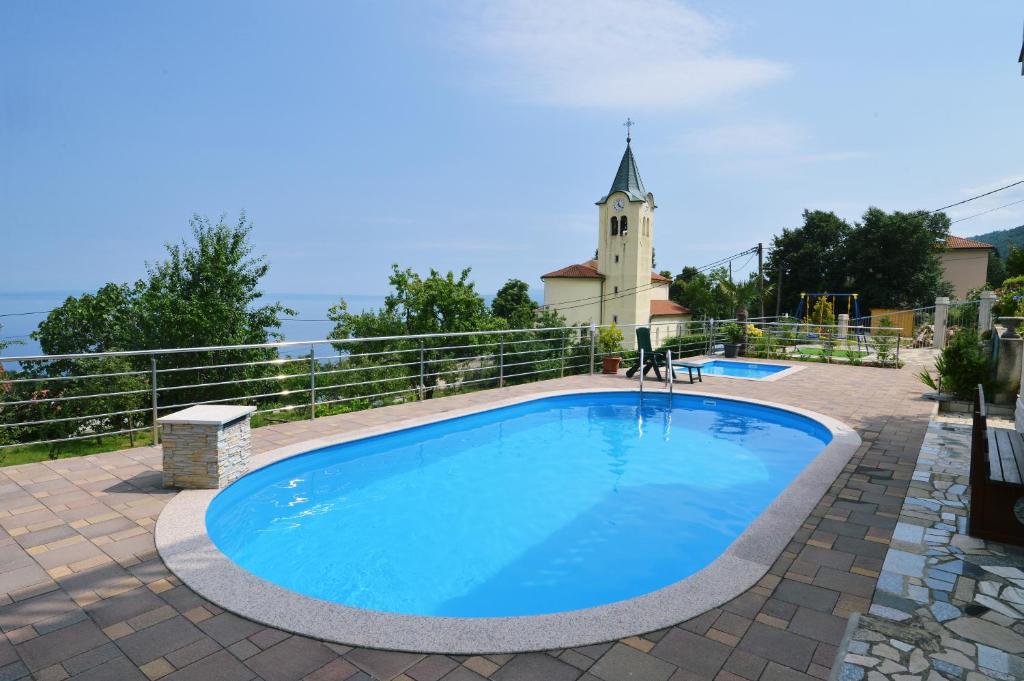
{"x": 809, "y": 301}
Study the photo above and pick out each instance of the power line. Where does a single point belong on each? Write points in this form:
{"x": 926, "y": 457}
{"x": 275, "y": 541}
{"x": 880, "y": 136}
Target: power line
{"x": 26, "y": 314}
{"x": 990, "y": 210}
{"x": 643, "y": 287}
{"x": 1013, "y": 184}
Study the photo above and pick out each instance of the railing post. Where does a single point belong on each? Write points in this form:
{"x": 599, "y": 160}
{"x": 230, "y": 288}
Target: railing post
{"x": 561, "y": 358}
{"x": 593, "y": 341}
{"x": 899, "y": 342}
{"x": 152, "y": 385}
{"x": 501, "y": 362}
{"x": 941, "y": 315}
{"x": 312, "y": 383}
{"x": 423, "y": 387}
{"x": 641, "y": 370}
{"x": 668, "y": 361}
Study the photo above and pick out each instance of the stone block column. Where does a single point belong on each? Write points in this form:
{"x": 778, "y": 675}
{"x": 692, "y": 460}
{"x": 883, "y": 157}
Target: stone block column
{"x": 988, "y": 299}
{"x": 206, "y": 446}
{"x": 844, "y": 325}
{"x": 941, "y": 315}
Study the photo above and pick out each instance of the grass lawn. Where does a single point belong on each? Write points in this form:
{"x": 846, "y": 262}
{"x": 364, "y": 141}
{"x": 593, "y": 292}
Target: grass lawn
{"x": 835, "y": 353}
{"x": 66, "y": 450}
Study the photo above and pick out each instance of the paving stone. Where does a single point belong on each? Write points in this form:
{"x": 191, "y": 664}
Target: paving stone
{"x": 783, "y": 647}
{"x": 335, "y": 670}
{"x": 744, "y": 664}
{"x": 159, "y": 640}
{"x": 227, "y": 628}
{"x": 382, "y": 663}
{"x": 123, "y": 606}
{"x": 694, "y": 653}
{"x": 460, "y": 673}
{"x": 807, "y": 595}
{"x": 220, "y": 666}
{"x": 818, "y": 625}
{"x": 118, "y": 669}
{"x": 91, "y": 658}
{"x": 777, "y": 672}
{"x": 431, "y": 668}
{"x": 845, "y": 582}
{"x": 624, "y": 662}
{"x": 988, "y": 633}
{"x": 291, "y": 659}
{"x": 44, "y": 651}
{"x": 530, "y": 666}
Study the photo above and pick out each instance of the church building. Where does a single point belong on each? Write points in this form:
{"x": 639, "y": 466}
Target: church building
{"x": 619, "y": 286}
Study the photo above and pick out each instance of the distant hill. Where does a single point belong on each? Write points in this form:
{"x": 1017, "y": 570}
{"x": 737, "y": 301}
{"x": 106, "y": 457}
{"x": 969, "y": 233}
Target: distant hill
{"x": 1002, "y": 239}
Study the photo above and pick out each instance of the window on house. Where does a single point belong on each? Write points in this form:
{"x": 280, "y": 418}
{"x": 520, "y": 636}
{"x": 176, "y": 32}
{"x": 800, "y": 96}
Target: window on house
{"x": 616, "y": 289}
{"x": 615, "y": 319}
{"x": 623, "y": 226}
{"x": 615, "y": 226}
{"x": 616, "y": 258}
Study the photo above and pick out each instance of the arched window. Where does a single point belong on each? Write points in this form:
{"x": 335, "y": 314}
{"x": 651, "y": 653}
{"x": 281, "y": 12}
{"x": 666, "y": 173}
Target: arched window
{"x": 615, "y": 226}
{"x": 623, "y": 226}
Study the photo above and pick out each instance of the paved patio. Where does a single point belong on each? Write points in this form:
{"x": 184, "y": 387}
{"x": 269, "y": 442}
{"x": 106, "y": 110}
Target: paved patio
{"x": 83, "y": 593}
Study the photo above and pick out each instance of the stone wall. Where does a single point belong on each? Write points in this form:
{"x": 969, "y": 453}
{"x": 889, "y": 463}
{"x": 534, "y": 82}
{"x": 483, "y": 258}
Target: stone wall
{"x": 205, "y": 456}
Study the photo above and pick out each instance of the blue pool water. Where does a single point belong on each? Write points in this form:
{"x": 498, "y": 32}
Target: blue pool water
{"x": 556, "y": 504}
{"x": 740, "y": 369}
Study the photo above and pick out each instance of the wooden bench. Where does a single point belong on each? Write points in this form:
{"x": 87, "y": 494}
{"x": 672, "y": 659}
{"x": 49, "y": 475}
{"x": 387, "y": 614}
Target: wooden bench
{"x": 997, "y": 479}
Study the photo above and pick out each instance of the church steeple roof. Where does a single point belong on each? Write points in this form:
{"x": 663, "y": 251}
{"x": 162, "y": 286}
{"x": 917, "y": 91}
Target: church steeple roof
{"x": 627, "y": 179}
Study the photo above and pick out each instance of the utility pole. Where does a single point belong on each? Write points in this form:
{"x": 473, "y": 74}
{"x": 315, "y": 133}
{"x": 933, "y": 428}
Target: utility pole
{"x": 778, "y": 290}
{"x": 760, "y": 275}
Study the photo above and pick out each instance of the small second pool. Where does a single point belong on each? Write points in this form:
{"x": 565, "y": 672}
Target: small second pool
{"x": 740, "y": 369}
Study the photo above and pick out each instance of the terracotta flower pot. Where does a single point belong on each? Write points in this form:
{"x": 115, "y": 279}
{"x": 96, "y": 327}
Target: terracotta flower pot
{"x": 610, "y": 365}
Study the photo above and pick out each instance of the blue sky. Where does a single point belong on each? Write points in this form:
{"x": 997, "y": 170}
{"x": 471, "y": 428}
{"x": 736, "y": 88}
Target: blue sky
{"x": 451, "y": 134}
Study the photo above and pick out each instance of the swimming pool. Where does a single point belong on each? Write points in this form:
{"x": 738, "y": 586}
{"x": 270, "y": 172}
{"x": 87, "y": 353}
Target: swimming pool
{"x": 741, "y": 369}
{"x": 555, "y": 504}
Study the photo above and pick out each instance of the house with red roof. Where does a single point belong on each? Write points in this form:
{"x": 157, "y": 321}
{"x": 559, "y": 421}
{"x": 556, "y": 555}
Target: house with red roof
{"x": 619, "y": 286}
{"x": 965, "y": 264}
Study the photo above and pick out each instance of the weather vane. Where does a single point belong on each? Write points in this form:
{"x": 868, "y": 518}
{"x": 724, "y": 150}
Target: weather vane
{"x": 629, "y": 124}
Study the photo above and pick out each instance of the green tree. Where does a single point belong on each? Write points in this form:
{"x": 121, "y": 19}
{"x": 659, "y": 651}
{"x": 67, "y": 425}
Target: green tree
{"x": 811, "y": 257}
{"x": 892, "y": 259}
{"x": 206, "y": 292}
{"x": 435, "y": 304}
{"x": 1014, "y": 262}
{"x": 996, "y": 272}
{"x": 513, "y": 304}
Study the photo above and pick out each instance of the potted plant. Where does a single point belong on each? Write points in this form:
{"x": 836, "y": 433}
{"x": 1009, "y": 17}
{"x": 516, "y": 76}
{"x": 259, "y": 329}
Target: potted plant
{"x": 609, "y": 344}
{"x": 733, "y": 339}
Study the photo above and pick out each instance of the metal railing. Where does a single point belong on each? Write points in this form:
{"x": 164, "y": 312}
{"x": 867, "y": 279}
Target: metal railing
{"x": 50, "y": 400}
{"x": 54, "y": 399}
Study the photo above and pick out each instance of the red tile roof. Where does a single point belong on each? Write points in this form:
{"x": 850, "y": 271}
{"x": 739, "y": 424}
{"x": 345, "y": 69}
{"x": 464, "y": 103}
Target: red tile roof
{"x": 579, "y": 271}
{"x": 960, "y": 242}
{"x": 588, "y": 270}
{"x": 666, "y": 308}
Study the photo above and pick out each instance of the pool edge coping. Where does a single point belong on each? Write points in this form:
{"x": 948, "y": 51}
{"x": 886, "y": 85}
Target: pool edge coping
{"x": 788, "y": 371}
{"x": 185, "y": 547}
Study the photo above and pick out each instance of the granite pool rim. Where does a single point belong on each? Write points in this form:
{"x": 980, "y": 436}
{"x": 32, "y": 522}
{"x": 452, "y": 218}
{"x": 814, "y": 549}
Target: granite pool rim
{"x": 788, "y": 371}
{"x": 186, "y": 548}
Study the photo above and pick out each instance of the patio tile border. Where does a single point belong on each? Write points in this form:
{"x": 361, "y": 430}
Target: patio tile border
{"x": 185, "y": 546}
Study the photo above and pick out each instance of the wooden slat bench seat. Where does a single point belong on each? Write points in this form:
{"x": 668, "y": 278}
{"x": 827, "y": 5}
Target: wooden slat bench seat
{"x": 997, "y": 479}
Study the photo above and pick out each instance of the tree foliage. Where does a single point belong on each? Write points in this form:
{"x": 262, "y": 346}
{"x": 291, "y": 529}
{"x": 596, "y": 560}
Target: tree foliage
{"x": 513, "y": 304}
{"x": 890, "y": 259}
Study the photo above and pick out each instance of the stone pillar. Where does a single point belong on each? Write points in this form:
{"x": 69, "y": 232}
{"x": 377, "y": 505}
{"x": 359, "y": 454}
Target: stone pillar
{"x": 844, "y": 325}
{"x": 941, "y": 312}
{"x": 206, "y": 446}
{"x": 1008, "y": 370}
{"x": 988, "y": 299}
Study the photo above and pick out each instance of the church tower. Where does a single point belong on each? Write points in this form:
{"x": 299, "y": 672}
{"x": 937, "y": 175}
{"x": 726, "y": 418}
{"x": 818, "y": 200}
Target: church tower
{"x": 625, "y": 245}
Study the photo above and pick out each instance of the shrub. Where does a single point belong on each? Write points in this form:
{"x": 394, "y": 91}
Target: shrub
{"x": 609, "y": 340}
{"x": 963, "y": 364}
{"x": 733, "y": 333}
{"x": 686, "y": 346}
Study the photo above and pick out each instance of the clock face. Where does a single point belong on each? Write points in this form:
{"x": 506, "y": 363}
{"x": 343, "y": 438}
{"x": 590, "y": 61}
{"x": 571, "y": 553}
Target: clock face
{"x": 618, "y": 204}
